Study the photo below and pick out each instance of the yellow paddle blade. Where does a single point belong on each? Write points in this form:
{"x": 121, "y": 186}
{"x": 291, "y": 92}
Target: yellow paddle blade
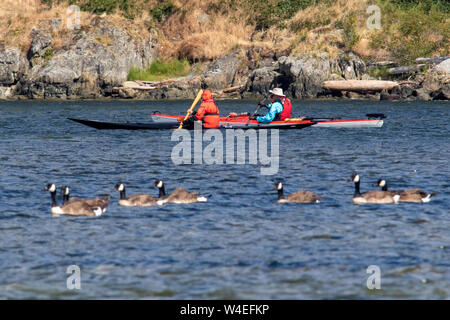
{"x": 199, "y": 96}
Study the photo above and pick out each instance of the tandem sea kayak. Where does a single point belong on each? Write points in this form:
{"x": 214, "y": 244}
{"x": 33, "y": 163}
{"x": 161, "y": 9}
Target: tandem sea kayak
{"x": 242, "y": 121}
{"x": 237, "y": 121}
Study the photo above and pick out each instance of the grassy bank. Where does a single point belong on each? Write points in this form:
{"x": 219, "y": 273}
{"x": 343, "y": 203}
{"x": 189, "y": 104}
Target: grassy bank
{"x": 160, "y": 70}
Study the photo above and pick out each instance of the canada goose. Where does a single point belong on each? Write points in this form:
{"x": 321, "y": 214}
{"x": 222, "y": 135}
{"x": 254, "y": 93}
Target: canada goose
{"x": 408, "y": 195}
{"x": 76, "y": 208}
{"x": 179, "y": 195}
{"x": 303, "y": 196}
{"x": 136, "y": 200}
{"x": 375, "y": 196}
{"x": 101, "y": 202}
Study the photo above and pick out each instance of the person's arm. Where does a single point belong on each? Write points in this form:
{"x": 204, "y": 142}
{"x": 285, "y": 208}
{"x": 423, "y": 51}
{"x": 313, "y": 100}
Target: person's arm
{"x": 200, "y": 112}
{"x": 275, "y": 108}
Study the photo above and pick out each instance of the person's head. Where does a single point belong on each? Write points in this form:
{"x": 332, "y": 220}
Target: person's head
{"x": 277, "y": 93}
{"x": 207, "y": 95}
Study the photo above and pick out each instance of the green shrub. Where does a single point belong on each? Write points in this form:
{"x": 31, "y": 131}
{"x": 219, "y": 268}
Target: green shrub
{"x": 413, "y": 29}
{"x": 350, "y": 35}
{"x": 160, "y": 70}
{"x": 163, "y": 10}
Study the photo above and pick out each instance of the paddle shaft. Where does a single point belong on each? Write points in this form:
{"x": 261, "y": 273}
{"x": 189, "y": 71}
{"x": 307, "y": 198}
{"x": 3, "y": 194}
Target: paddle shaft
{"x": 199, "y": 95}
{"x": 257, "y": 109}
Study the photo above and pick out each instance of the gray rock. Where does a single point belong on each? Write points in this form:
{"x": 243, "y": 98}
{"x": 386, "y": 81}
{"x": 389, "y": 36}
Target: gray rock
{"x": 40, "y": 42}
{"x": 221, "y": 73}
{"x": 306, "y": 75}
{"x": 96, "y": 60}
{"x": 303, "y": 77}
{"x": 422, "y": 94}
{"x": 403, "y": 91}
{"x": 384, "y": 95}
{"x": 444, "y": 66}
{"x": 13, "y": 66}
{"x": 261, "y": 81}
{"x": 443, "y": 93}
{"x": 182, "y": 88}
{"x": 350, "y": 66}
{"x": 436, "y": 84}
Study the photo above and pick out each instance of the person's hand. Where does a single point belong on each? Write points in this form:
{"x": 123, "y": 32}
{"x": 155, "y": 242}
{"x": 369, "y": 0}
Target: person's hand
{"x": 189, "y": 121}
{"x": 262, "y": 104}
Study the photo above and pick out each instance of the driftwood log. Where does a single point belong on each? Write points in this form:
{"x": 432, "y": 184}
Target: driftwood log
{"x": 359, "y": 85}
{"x": 432, "y": 60}
{"x": 233, "y": 89}
{"x": 136, "y": 85}
{"x": 407, "y": 69}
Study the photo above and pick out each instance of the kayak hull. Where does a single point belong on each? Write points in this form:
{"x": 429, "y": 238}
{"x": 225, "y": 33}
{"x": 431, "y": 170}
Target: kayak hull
{"x": 172, "y": 123}
{"x": 369, "y": 123}
{"x": 101, "y": 125}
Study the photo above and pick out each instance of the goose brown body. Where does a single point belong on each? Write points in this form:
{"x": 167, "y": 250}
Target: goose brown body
{"x": 101, "y": 202}
{"x": 375, "y": 196}
{"x": 408, "y": 195}
{"x": 303, "y": 196}
{"x": 75, "y": 208}
{"x": 179, "y": 195}
{"x": 136, "y": 200}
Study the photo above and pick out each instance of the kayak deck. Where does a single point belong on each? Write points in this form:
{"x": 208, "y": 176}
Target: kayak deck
{"x": 242, "y": 121}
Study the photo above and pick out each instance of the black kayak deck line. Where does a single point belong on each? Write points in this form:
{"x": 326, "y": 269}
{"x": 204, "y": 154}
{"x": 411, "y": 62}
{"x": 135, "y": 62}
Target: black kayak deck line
{"x": 101, "y": 125}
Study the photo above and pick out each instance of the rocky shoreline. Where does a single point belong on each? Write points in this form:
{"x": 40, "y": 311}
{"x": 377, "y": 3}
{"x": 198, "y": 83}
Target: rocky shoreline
{"x": 94, "y": 62}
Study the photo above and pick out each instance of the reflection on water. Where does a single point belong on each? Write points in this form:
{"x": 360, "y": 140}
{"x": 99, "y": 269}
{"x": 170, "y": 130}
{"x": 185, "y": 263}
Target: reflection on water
{"x": 241, "y": 243}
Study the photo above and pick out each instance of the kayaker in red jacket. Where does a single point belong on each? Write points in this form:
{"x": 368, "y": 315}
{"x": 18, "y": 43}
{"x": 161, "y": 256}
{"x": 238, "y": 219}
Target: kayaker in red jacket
{"x": 208, "y": 111}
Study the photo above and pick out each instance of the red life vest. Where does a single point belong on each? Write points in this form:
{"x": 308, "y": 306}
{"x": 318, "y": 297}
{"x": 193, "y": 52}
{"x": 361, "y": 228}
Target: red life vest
{"x": 208, "y": 111}
{"x": 287, "y": 109}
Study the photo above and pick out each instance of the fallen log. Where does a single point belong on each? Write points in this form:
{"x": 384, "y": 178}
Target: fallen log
{"x": 378, "y": 64}
{"x": 407, "y": 69}
{"x": 432, "y": 60}
{"x": 232, "y": 89}
{"x": 136, "y": 85}
{"x": 359, "y": 85}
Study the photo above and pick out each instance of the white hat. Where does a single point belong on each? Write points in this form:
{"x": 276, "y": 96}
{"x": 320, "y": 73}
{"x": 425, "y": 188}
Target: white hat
{"x": 277, "y": 92}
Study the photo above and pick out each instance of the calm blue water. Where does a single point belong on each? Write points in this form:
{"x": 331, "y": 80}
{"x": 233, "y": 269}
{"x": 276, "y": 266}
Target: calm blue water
{"x": 241, "y": 243}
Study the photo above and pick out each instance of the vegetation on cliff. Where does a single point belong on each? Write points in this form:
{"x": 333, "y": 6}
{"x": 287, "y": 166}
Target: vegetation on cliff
{"x": 197, "y": 31}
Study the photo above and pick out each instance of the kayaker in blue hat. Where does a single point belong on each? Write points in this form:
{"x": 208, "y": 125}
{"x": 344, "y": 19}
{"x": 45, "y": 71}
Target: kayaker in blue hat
{"x": 279, "y": 109}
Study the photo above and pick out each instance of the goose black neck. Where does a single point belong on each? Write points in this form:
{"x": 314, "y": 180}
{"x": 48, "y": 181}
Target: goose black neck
{"x": 280, "y": 194}
{"x": 123, "y": 195}
{"x": 385, "y": 187}
{"x": 357, "y": 192}
{"x": 162, "y": 192}
{"x": 65, "y": 198}
{"x": 54, "y": 202}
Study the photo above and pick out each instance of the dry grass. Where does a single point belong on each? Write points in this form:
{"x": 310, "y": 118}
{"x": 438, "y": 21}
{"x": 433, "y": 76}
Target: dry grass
{"x": 198, "y": 36}
{"x": 199, "y": 33}
{"x": 19, "y": 17}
